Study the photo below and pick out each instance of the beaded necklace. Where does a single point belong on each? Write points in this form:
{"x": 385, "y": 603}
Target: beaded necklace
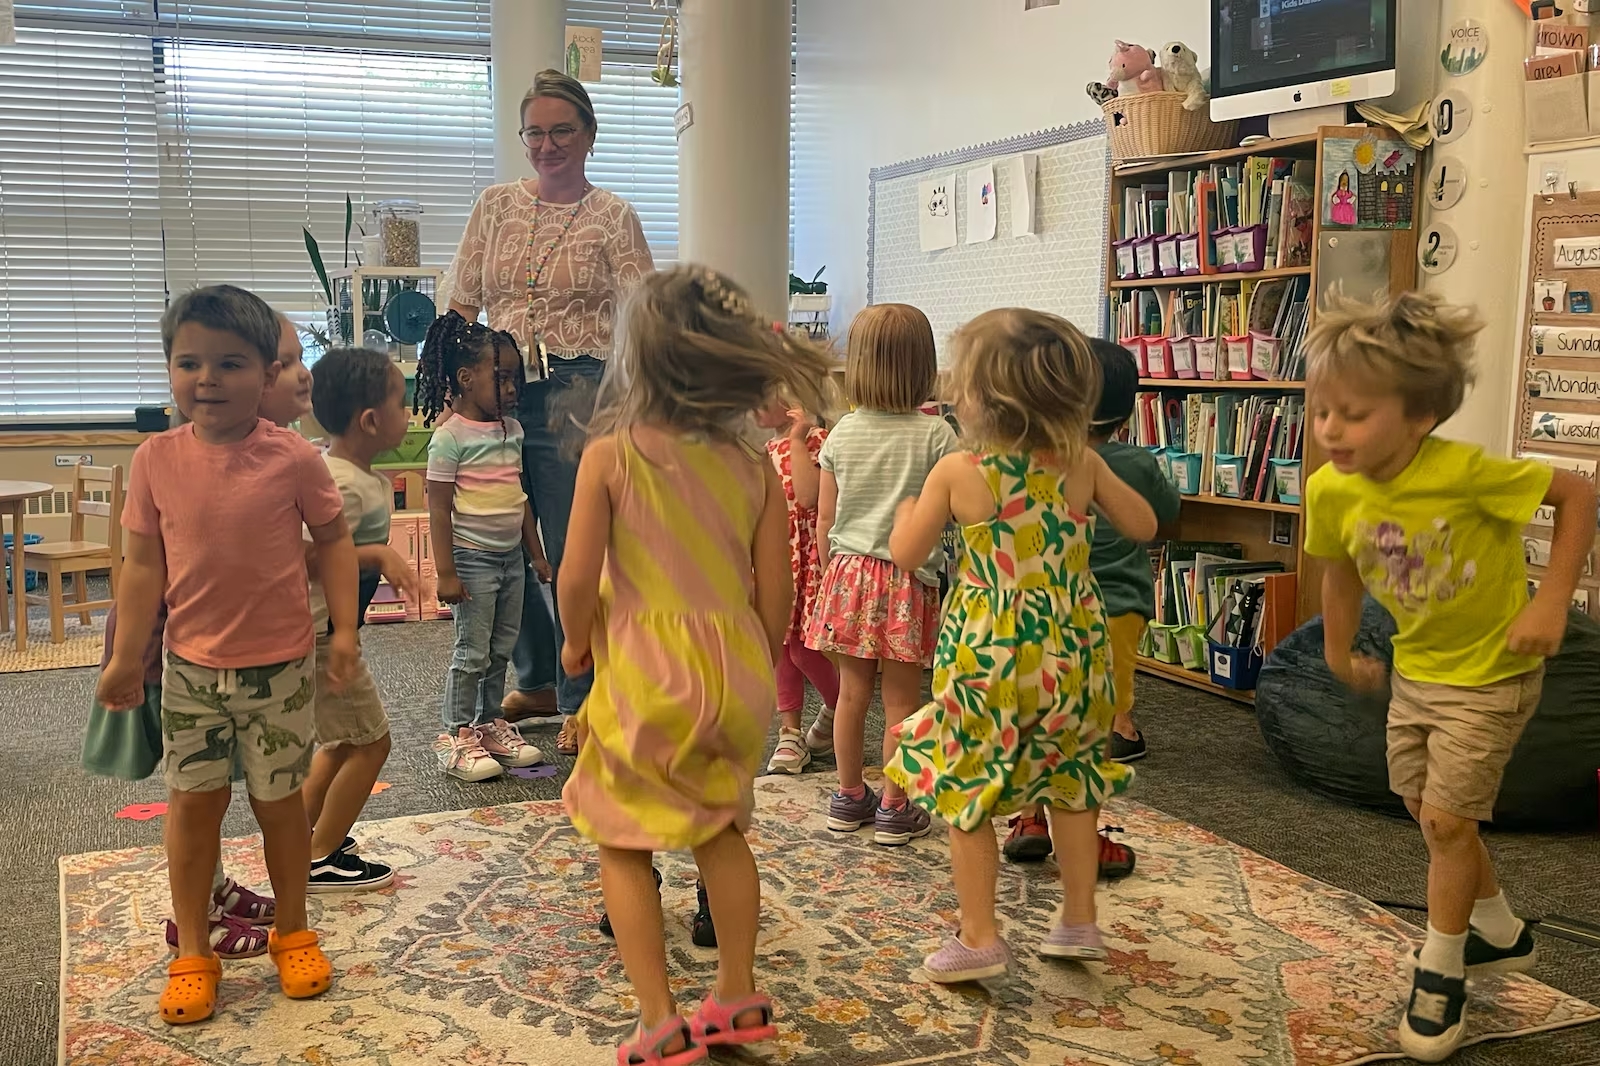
{"x": 537, "y": 264}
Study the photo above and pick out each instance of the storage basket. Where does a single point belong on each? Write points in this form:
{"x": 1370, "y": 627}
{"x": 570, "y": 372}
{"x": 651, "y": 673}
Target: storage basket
{"x": 1150, "y": 124}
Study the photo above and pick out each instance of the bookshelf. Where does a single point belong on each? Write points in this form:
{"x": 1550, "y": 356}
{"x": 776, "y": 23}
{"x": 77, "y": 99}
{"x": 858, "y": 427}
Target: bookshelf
{"x": 1225, "y": 300}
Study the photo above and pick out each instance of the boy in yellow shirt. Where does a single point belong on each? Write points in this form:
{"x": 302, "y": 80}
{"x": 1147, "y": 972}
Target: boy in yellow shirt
{"x": 1430, "y": 528}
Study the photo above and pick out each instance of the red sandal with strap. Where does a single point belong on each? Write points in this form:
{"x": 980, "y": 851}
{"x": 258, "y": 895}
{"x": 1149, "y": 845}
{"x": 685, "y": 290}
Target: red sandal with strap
{"x": 716, "y": 1023}
{"x": 231, "y": 938}
{"x": 239, "y": 902}
{"x": 646, "y": 1048}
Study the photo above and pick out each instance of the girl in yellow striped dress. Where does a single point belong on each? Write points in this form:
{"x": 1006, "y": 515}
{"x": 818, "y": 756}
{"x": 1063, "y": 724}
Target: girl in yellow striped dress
{"x": 676, "y": 586}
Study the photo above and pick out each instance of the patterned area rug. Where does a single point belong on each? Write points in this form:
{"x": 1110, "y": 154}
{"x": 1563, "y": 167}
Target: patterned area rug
{"x": 485, "y": 952}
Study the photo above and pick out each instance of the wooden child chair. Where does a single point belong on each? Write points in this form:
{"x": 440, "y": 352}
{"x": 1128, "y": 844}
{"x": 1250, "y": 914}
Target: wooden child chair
{"x": 76, "y": 556}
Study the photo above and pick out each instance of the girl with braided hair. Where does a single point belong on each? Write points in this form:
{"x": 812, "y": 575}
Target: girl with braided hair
{"x": 480, "y": 523}
{"x": 687, "y": 526}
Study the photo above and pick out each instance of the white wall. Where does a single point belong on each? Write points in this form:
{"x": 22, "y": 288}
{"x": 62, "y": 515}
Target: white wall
{"x": 881, "y": 81}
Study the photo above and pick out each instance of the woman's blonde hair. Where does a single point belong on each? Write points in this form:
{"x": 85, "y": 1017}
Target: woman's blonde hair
{"x": 692, "y": 354}
{"x": 1025, "y": 381}
{"x": 890, "y": 362}
{"x": 558, "y": 86}
{"x": 1414, "y": 345}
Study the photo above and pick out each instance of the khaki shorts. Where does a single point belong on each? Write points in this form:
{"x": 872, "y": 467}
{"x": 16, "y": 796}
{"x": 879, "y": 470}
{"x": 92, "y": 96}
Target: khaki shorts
{"x": 1448, "y": 746}
{"x": 353, "y": 716}
{"x": 1126, "y": 631}
{"x": 261, "y": 714}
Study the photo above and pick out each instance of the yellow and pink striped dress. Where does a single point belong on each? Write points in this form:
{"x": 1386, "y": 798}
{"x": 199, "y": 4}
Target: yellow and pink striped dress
{"x": 683, "y": 689}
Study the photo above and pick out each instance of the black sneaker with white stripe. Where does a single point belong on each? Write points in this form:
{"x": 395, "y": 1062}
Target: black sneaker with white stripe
{"x": 345, "y": 871}
{"x": 1436, "y": 1016}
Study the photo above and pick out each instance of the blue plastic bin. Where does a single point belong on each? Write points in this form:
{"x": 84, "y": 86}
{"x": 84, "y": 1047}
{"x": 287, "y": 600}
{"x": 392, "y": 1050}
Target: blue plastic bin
{"x": 30, "y": 578}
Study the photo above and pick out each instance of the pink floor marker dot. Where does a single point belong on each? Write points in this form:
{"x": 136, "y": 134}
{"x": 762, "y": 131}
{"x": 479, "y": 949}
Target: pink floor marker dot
{"x": 381, "y": 786}
{"x": 142, "y": 812}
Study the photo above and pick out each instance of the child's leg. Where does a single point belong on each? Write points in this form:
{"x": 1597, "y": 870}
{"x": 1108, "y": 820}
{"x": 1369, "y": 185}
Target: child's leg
{"x": 193, "y": 834}
{"x": 352, "y": 770}
{"x": 820, "y": 671}
{"x": 634, "y": 907}
{"x": 474, "y": 624}
{"x": 902, "y": 694}
{"x": 505, "y": 625}
{"x": 286, "y": 840}
{"x": 1125, "y": 630}
{"x": 1077, "y": 847}
{"x": 973, "y": 861}
{"x": 856, "y": 680}
{"x": 728, "y": 871}
{"x": 791, "y": 686}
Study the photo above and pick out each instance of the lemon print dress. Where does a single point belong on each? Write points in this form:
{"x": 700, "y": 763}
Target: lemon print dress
{"x": 1022, "y": 684}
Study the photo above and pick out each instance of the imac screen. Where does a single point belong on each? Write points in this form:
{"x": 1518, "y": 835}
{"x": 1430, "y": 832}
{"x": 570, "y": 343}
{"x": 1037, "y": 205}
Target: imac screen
{"x": 1267, "y": 44}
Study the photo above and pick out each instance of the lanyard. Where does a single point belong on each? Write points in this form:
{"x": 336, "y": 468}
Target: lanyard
{"x": 537, "y": 355}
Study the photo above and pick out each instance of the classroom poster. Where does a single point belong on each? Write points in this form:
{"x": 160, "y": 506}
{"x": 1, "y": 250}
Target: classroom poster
{"x": 982, "y": 205}
{"x": 583, "y": 53}
{"x": 1022, "y": 175}
{"x": 1369, "y": 182}
{"x": 936, "y": 213}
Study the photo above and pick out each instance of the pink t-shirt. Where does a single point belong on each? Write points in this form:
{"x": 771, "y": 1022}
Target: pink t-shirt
{"x": 229, "y": 518}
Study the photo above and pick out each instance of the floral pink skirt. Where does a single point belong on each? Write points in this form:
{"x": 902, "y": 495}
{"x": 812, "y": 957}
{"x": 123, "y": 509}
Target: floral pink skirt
{"x": 868, "y": 608}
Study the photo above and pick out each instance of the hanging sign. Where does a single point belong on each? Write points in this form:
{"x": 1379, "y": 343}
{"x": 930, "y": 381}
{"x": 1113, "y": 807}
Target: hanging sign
{"x": 1447, "y": 182}
{"x": 583, "y": 53}
{"x": 1452, "y": 116}
{"x": 1563, "y": 385}
{"x": 1582, "y": 342}
{"x": 1436, "y": 249}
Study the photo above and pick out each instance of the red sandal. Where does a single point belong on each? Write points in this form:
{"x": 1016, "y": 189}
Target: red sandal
{"x": 645, "y": 1047}
{"x": 239, "y": 902}
{"x": 714, "y": 1023}
{"x": 231, "y": 938}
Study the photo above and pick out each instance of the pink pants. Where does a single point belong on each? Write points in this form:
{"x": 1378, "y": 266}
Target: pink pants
{"x": 798, "y": 665}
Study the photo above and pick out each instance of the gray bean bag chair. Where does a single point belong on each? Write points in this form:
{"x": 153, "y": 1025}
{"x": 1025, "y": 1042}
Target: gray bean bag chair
{"x": 1332, "y": 740}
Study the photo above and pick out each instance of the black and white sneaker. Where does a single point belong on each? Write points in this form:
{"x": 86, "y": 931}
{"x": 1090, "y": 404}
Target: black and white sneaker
{"x": 1124, "y": 750}
{"x": 1436, "y": 1016}
{"x": 344, "y": 871}
{"x": 1483, "y": 958}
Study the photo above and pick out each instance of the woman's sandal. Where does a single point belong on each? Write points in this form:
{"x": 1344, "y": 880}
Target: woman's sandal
{"x": 715, "y": 1023}
{"x": 303, "y": 970}
{"x": 239, "y": 902}
{"x": 231, "y": 938}
{"x": 568, "y": 739}
{"x": 647, "y": 1048}
{"x": 191, "y": 992}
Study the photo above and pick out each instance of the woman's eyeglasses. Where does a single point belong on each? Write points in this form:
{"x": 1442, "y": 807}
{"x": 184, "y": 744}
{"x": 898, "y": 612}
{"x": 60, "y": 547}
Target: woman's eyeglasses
{"x": 560, "y": 136}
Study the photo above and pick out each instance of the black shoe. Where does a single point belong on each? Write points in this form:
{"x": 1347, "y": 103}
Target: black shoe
{"x": 1436, "y": 1016}
{"x": 345, "y": 871}
{"x": 1125, "y": 750}
{"x": 702, "y": 932}
{"x": 1483, "y": 958}
{"x": 605, "y": 919}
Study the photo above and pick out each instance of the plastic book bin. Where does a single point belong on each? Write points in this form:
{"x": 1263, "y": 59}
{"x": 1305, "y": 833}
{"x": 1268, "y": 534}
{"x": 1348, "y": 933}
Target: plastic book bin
{"x": 1164, "y": 643}
{"x": 30, "y": 579}
{"x": 1286, "y": 480}
{"x": 1231, "y": 667}
{"x": 1189, "y": 254}
{"x": 1186, "y": 472}
{"x": 1191, "y": 642}
{"x": 1227, "y": 257}
{"x": 1167, "y": 256}
{"x": 1249, "y": 246}
{"x": 1127, "y": 263}
{"x": 1183, "y": 357}
{"x": 1144, "y": 254}
{"x": 1158, "y": 357}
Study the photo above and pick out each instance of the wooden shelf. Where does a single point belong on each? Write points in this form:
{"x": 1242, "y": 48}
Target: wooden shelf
{"x": 1196, "y": 160}
{"x": 1194, "y": 679}
{"x": 1202, "y": 385}
{"x": 1208, "y": 279}
{"x": 1249, "y": 505}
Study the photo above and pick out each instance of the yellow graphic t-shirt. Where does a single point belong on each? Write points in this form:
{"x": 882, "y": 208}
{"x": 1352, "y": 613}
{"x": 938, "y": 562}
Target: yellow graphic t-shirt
{"x": 1439, "y": 546}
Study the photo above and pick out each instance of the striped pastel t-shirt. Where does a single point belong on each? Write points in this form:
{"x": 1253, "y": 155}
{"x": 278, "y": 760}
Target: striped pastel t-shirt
{"x": 484, "y": 461}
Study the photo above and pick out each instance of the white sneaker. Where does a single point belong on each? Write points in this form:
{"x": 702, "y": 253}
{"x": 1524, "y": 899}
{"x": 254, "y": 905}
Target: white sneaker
{"x": 791, "y": 756}
{"x": 819, "y": 738}
{"x": 463, "y": 756}
{"x": 505, "y": 744}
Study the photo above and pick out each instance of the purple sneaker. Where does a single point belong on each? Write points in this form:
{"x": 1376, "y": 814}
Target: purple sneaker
{"x": 1081, "y": 942}
{"x": 894, "y": 827}
{"x": 846, "y": 815}
{"x": 955, "y": 962}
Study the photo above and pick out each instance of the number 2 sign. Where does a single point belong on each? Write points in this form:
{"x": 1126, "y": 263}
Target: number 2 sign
{"x": 1436, "y": 248}
{"x": 1452, "y": 116}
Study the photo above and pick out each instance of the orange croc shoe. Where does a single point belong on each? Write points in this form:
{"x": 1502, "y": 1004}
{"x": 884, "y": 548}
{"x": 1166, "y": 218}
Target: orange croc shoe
{"x": 191, "y": 992}
{"x": 303, "y": 970}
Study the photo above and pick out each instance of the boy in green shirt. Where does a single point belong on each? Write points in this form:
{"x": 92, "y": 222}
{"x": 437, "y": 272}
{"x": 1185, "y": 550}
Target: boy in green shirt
{"x": 1430, "y": 528}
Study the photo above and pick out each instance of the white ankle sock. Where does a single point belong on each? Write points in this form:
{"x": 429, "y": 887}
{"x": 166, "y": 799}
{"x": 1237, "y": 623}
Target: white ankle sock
{"x": 1444, "y": 954}
{"x": 1493, "y": 920}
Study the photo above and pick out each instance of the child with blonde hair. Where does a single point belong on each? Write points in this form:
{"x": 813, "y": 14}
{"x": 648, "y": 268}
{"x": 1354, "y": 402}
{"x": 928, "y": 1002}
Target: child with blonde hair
{"x": 871, "y": 613}
{"x": 1023, "y": 691}
{"x": 1430, "y": 528}
{"x": 676, "y": 587}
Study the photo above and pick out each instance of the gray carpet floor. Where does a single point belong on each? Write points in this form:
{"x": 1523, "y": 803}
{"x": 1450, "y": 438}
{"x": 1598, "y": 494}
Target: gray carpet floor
{"x": 1207, "y": 765}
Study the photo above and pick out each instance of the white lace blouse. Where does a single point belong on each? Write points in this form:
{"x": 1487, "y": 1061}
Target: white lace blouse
{"x": 596, "y": 262}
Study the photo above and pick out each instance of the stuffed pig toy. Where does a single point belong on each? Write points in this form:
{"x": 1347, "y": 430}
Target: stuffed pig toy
{"x": 1132, "y": 70}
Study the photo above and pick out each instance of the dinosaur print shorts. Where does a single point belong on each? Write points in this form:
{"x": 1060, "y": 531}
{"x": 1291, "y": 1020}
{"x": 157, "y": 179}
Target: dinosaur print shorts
{"x": 261, "y": 713}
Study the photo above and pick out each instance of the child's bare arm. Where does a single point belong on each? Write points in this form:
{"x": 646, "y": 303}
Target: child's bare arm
{"x": 588, "y": 535}
{"x": 1341, "y": 615}
{"x": 804, "y": 472}
{"x": 769, "y": 554}
{"x": 531, "y": 541}
{"x": 1128, "y": 511}
{"x": 827, "y": 508}
{"x": 393, "y": 567}
{"x": 140, "y": 588}
{"x": 442, "y": 533}
{"x": 340, "y": 576}
{"x": 919, "y": 521}
{"x": 1539, "y": 628}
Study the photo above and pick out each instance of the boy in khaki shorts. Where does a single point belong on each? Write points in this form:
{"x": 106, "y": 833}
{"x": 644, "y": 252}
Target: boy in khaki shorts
{"x": 213, "y": 514}
{"x": 1430, "y": 528}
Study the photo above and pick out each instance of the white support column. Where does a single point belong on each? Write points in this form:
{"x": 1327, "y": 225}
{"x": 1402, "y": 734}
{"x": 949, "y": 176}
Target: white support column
{"x": 733, "y": 161}
{"x": 525, "y": 37}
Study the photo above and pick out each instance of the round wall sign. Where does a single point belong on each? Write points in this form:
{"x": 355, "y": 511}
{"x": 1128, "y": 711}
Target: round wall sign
{"x": 1466, "y": 44}
{"x": 1452, "y": 116}
{"x": 1436, "y": 249}
{"x": 1447, "y": 182}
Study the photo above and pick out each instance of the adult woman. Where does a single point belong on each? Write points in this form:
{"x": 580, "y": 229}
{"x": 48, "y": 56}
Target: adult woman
{"x": 549, "y": 260}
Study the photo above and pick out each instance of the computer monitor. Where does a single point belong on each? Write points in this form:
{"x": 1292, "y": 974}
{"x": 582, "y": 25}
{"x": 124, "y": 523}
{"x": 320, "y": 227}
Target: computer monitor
{"x": 1272, "y": 56}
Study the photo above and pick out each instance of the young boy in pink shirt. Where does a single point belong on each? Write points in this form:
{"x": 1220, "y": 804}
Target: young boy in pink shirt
{"x": 213, "y": 515}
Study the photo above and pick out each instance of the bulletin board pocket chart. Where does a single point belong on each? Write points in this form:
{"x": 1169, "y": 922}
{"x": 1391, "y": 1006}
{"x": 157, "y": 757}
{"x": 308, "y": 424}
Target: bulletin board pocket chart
{"x": 1057, "y": 266}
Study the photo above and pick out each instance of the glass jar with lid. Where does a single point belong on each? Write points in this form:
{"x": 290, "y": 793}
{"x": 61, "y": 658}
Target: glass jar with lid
{"x": 398, "y": 223}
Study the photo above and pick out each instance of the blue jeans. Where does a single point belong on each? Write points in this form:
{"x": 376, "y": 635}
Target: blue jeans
{"x": 487, "y": 622}
{"x": 550, "y": 473}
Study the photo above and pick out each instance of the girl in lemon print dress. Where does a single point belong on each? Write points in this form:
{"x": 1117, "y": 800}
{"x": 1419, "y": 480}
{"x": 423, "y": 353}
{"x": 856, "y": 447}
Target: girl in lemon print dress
{"x": 1022, "y": 685}
{"x": 676, "y": 587}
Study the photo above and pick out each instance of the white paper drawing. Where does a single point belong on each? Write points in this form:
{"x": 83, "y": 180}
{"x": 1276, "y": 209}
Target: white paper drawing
{"x": 982, "y": 208}
{"x": 8, "y": 23}
{"x": 936, "y": 213}
{"x": 1021, "y": 174}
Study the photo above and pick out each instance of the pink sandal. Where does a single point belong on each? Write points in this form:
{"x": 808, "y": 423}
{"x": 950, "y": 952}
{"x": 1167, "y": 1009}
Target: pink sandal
{"x": 713, "y": 1024}
{"x": 239, "y": 902}
{"x": 645, "y": 1048}
{"x": 231, "y": 938}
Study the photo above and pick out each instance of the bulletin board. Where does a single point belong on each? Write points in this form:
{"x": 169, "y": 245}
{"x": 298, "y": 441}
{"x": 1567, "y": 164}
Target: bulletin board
{"x": 1059, "y": 267}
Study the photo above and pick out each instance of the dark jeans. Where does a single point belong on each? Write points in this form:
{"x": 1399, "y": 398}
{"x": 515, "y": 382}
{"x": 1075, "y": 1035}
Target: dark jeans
{"x": 550, "y": 472}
